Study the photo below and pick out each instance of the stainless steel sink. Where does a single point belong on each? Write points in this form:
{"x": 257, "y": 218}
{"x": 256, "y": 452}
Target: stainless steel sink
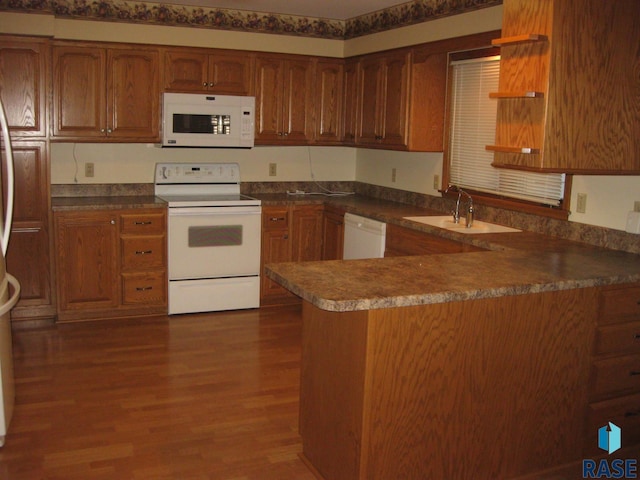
{"x": 446, "y": 222}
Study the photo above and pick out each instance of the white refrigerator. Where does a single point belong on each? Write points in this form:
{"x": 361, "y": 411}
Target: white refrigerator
{"x": 9, "y": 286}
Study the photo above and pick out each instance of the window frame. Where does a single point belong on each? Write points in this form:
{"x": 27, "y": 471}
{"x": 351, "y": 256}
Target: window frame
{"x": 484, "y": 198}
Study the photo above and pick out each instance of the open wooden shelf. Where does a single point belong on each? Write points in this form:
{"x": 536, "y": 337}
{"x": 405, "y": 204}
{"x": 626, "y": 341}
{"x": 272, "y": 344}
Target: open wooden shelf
{"x": 523, "y": 94}
{"x": 527, "y": 38}
{"x": 506, "y": 149}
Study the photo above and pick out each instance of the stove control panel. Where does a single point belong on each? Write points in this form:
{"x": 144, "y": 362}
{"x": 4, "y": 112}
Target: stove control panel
{"x": 169, "y": 173}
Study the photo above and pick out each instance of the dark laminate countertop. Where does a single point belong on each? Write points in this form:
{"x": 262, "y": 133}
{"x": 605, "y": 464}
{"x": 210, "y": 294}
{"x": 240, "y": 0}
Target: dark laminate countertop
{"x": 515, "y": 263}
{"x": 106, "y": 202}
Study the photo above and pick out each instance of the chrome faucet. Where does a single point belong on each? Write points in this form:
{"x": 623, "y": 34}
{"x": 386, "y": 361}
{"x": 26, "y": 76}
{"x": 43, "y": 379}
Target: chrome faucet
{"x": 469, "y": 211}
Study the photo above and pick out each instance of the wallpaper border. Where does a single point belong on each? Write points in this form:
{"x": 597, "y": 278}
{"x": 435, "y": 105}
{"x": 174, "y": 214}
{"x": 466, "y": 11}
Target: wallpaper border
{"x": 401, "y": 15}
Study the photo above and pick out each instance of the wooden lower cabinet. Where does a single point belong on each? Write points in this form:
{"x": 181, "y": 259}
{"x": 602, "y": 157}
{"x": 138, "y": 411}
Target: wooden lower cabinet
{"x": 402, "y": 241}
{"x": 110, "y": 263}
{"x": 615, "y": 370}
{"x": 483, "y": 389}
{"x": 333, "y": 233}
{"x": 289, "y": 234}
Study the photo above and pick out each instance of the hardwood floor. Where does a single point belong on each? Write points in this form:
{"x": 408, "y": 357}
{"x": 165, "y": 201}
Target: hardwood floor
{"x": 209, "y": 396}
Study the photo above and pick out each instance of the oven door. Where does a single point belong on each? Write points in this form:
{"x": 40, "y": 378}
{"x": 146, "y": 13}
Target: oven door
{"x": 214, "y": 242}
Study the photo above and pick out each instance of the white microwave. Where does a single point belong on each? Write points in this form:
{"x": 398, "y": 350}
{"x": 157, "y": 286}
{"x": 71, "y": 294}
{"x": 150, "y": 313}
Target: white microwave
{"x": 203, "y": 120}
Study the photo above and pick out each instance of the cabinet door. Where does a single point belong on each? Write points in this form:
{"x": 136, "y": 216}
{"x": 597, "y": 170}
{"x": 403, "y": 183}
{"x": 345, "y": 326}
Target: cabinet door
{"x": 350, "y": 101}
{"x": 298, "y": 101}
{"x": 28, "y": 257}
{"x": 133, "y": 94}
{"x": 307, "y": 233}
{"x": 371, "y": 84}
{"x": 231, "y": 73}
{"x": 24, "y": 65}
{"x": 328, "y": 104}
{"x": 333, "y": 235}
{"x": 395, "y": 99}
{"x": 185, "y": 70}
{"x": 87, "y": 260}
{"x": 79, "y": 87}
{"x": 269, "y": 98}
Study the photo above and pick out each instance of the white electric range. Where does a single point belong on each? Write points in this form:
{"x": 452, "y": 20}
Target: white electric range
{"x": 213, "y": 237}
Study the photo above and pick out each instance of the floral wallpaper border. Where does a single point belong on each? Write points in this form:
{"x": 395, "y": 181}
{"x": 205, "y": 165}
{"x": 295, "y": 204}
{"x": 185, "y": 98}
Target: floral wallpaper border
{"x": 408, "y": 13}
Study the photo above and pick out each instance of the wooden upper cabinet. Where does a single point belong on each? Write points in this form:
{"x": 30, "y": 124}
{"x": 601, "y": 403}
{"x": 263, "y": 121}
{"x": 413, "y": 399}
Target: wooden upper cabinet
{"x": 401, "y": 100}
{"x": 24, "y": 70}
{"x": 329, "y": 101}
{"x": 106, "y": 93}
{"x": 284, "y": 100}
{"x": 350, "y": 101}
{"x": 384, "y": 87}
{"x": 568, "y": 89}
{"x": 205, "y": 71}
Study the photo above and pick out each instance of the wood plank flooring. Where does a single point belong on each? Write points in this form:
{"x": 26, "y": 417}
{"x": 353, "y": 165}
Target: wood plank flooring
{"x": 208, "y": 396}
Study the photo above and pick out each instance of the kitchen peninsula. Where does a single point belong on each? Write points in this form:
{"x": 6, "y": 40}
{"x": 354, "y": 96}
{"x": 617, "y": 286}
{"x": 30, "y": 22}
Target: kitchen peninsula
{"x": 484, "y": 365}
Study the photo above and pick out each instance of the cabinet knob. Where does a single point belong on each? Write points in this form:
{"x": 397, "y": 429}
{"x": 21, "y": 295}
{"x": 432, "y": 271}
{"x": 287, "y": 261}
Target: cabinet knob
{"x": 109, "y": 131}
{"x": 102, "y": 130}
{"x": 211, "y": 84}
{"x": 285, "y": 236}
{"x": 112, "y": 222}
{"x": 205, "y": 84}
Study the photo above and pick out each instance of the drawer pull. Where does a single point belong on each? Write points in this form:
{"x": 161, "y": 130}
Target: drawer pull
{"x": 633, "y": 413}
{"x": 143, "y": 252}
{"x": 143, "y": 289}
{"x": 634, "y": 373}
{"x": 277, "y": 219}
{"x": 143, "y": 223}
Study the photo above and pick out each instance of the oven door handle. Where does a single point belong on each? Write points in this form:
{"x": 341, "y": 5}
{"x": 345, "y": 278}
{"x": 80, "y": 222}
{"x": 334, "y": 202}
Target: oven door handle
{"x": 201, "y": 211}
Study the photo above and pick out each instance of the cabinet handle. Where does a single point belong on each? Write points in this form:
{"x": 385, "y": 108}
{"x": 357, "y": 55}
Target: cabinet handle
{"x": 637, "y": 336}
{"x": 143, "y": 252}
{"x": 109, "y": 130}
{"x": 634, "y": 413}
{"x": 142, "y": 223}
{"x": 143, "y": 289}
{"x": 277, "y": 219}
{"x": 205, "y": 84}
{"x": 112, "y": 222}
{"x": 634, "y": 373}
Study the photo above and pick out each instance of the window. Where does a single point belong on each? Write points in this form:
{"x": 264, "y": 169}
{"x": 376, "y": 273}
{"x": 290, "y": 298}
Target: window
{"x": 472, "y": 127}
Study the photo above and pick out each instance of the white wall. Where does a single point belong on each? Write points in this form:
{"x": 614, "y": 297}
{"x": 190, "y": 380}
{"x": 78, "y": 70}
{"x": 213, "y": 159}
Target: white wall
{"x": 134, "y": 163}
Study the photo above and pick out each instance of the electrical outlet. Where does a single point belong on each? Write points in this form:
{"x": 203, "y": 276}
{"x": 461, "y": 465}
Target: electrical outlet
{"x": 582, "y": 203}
{"x": 436, "y": 182}
{"x": 89, "y": 169}
{"x": 273, "y": 169}
{"x": 636, "y": 206}
{"x": 393, "y": 174}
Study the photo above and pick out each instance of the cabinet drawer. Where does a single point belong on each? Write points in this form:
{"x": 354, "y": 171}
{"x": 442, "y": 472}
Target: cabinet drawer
{"x": 618, "y": 339}
{"x": 143, "y": 252}
{"x": 275, "y": 218}
{"x": 144, "y": 288}
{"x": 620, "y": 304}
{"x": 613, "y": 376}
{"x": 623, "y": 411}
{"x": 143, "y": 223}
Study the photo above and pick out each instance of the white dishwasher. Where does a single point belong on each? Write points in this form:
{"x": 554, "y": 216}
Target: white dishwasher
{"x": 363, "y": 237}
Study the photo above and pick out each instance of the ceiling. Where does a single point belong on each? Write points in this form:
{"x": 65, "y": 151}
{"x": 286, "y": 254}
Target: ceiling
{"x": 329, "y": 9}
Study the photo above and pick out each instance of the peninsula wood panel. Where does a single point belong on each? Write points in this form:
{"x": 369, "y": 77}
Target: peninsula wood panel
{"x": 483, "y": 389}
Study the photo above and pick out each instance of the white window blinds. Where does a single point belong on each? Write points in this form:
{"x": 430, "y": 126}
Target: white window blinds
{"x": 473, "y": 126}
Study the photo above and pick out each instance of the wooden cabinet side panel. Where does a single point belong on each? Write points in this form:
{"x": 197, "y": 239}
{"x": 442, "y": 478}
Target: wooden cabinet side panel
{"x": 446, "y": 378}
{"x": 331, "y": 401}
{"x": 594, "y": 120}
